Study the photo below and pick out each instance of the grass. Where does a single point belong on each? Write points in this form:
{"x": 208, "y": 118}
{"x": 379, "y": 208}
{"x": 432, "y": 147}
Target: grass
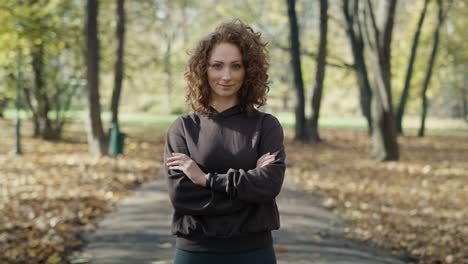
{"x": 434, "y": 125}
{"x": 137, "y": 121}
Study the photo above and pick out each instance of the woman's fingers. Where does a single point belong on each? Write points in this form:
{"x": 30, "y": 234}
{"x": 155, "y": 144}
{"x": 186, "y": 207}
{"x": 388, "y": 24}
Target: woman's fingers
{"x": 173, "y": 163}
{"x": 177, "y": 156}
{"x": 268, "y": 162}
{"x": 263, "y": 156}
{"x": 178, "y": 161}
{"x": 269, "y": 159}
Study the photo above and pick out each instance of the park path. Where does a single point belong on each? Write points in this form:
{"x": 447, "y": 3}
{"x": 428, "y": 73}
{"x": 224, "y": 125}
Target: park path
{"x": 138, "y": 231}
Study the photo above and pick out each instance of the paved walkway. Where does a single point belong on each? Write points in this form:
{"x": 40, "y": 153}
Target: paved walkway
{"x": 139, "y": 232}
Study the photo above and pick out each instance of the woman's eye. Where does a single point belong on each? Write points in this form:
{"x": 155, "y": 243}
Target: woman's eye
{"x": 237, "y": 66}
{"x": 216, "y": 66}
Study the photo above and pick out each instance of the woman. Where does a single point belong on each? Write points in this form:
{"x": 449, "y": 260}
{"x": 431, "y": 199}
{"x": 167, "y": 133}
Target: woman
{"x": 225, "y": 161}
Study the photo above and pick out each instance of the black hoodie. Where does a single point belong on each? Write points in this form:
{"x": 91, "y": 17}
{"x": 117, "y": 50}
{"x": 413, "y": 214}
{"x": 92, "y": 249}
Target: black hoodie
{"x": 237, "y": 210}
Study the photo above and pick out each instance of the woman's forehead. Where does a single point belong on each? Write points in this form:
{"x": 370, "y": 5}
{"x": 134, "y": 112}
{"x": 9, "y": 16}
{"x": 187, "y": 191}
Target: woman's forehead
{"x": 225, "y": 51}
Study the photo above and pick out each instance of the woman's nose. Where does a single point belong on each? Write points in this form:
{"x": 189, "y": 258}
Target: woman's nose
{"x": 226, "y": 74}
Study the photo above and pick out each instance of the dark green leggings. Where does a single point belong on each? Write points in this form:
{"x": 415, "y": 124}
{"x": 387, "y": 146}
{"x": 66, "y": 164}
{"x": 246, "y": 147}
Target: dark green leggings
{"x": 258, "y": 256}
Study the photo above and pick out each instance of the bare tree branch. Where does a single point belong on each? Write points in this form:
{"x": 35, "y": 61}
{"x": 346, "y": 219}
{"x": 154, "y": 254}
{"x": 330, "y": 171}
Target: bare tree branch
{"x": 375, "y": 28}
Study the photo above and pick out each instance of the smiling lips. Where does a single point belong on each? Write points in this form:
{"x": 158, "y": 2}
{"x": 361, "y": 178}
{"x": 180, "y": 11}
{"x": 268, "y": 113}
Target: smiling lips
{"x": 226, "y": 86}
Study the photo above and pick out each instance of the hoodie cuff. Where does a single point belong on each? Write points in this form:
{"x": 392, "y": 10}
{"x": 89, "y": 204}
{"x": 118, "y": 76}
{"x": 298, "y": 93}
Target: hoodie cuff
{"x": 210, "y": 180}
{"x": 222, "y": 182}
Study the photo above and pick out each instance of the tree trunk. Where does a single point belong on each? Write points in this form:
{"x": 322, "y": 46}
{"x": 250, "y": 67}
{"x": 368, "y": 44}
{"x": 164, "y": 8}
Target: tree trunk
{"x": 464, "y": 104}
{"x": 430, "y": 65}
{"x": 27, "y": 96}
{"x": 409, "y": 71}
{"x": 119, "y": 63}
{"x": 357, "y": 47}
{"x": 385, "y": 146}
{"x": 43, "y": 126}
{"x": 185, "y": 26}
{"x": 168, "y": 73}
{"x": 320, "y": 73}
{"x": 300, "y": 126}
{"x": 96, "y": 137}
{"x": 3, "y": 105}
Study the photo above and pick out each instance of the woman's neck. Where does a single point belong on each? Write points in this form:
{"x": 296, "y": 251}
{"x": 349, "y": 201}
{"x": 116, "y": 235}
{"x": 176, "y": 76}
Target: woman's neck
{"x": 221, "y": 105}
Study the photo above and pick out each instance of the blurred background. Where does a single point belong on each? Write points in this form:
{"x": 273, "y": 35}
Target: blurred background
{"x": 88, "y": 89}
{"x": 159, "y": 35}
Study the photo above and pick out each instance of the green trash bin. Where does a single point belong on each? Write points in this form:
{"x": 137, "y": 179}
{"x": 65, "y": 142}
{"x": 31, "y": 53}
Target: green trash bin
{"x": 116, "y": 140}
{"x": 121, "y": 142}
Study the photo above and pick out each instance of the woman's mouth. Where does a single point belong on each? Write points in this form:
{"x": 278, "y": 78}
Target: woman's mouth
{"x": 226, "y": 86}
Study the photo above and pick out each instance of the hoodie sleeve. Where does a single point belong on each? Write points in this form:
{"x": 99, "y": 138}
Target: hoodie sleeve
{"x": 260, "y": 184}
{"x": 187, "y": 197}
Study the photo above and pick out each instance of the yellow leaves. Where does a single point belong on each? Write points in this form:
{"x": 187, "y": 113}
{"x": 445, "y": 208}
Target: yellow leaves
{"x": 325, "y": 156}
{"x": 449, "y": 259}
{"x": 426, "y": 169}
{"x": 164, "y": 245}
{"x": 132, "y": 146}
{"x": 281, "y": 249}
{"x": 329, "y": 203}
{"x": 316, "y": 239}
{"x": 364, "y": 206}
{"x": 54, "y": 259}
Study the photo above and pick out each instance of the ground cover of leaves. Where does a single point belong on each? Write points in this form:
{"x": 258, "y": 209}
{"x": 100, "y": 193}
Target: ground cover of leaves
{"x": 416, "y": 206}
{"x": 56, "y": 191}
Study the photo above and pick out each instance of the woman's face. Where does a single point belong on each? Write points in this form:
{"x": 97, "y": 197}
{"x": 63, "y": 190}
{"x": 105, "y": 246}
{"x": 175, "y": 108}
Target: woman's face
{"x": 225, "y": 72}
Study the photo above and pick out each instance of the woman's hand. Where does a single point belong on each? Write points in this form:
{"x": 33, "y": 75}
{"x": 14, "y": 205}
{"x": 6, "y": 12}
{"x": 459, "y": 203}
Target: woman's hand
{"x": 266, "y": 159}
{"x": 182, "y": 162}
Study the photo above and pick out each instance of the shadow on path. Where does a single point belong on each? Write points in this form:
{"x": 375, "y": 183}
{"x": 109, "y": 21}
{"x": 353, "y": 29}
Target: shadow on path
{"x": 139, "y": 232}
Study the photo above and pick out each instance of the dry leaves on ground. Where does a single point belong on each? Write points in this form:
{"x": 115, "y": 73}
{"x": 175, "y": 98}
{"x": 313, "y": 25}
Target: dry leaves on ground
{"x": 55, "y": 191}
{"x": 415, "y": 206}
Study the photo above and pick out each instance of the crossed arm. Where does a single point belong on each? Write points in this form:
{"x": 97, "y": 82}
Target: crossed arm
{"x": 182, "y": 162}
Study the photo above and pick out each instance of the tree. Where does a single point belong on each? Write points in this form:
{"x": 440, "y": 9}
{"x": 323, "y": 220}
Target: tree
{"x": 169, "y": 35}
{"x": 379, "y": 36}
{"x": 441, "y": 17}
{"x": 409, "y": 71}
{"x": 96, "y": 137}
{"x": 41, "y": 119}
{"x": 119, "y": 63}
{"x": 356, "y": 40}
{"x": 41, "y": 108}
{"x": 43, "y": 31}
{"x": 300, "y": 133}
{"x": 320, "y": 73}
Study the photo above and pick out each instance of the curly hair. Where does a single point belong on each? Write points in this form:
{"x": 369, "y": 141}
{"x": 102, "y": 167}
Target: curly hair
{"x": 254, "y": 57}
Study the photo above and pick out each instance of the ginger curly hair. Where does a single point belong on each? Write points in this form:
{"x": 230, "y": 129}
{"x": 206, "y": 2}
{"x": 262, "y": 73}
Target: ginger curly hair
{"x": 255, "y": 60}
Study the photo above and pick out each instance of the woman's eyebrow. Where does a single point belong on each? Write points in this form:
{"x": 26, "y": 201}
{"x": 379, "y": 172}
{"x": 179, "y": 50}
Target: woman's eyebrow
{"x": 218, "y": 61}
